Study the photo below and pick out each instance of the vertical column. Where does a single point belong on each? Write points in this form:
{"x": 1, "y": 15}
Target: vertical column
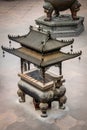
{"x": 28, "y": 65}
{"x": 21, "y": 60}
{"x": 43, "y": 74}
{"x": 25, "y": 65}
{"x": 60, "y": 68}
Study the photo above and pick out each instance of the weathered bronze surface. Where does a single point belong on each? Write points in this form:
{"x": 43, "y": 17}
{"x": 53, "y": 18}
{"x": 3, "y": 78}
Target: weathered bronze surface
{"x": 35, "y": 78}
{"x": 61, "y": 5}
{"x": 39, "y": 48}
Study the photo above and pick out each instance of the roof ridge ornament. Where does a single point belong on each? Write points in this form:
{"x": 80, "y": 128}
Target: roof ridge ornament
{"x": 40, "y": 28}
{"x": 48, "y": 34}
{"x": 66, "y": 41}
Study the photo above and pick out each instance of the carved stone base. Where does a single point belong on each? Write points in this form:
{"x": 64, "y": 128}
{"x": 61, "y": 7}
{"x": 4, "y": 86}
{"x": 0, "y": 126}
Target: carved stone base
{"x": 62, "y": 26}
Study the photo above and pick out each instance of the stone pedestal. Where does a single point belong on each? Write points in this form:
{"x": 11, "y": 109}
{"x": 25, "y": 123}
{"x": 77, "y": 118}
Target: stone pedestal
{"x": 62, "y": 26}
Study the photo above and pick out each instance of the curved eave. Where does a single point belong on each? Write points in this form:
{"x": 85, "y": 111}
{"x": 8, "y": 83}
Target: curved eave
{"x": 66, "y": 56}
{"x": 66, "y": 42}
{"x": 21, "y": 55}
{"x": 15, "y": 38}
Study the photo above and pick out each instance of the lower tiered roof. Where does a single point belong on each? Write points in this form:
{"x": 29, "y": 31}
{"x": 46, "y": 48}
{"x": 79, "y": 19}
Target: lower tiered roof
{"x": 41, "y": 60}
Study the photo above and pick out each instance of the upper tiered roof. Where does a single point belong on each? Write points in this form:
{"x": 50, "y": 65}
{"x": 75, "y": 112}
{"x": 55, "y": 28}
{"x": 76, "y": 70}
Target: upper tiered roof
{"x": 40, "y": 41}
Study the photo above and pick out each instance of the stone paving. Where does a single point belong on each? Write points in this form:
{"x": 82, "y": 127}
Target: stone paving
{"x": 15, "y": 18}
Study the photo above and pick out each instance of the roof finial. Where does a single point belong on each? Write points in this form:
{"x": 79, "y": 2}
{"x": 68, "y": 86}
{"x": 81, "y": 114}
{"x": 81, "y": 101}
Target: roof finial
{"x": 40, "y": 28}
{"x": 31, "y": 27}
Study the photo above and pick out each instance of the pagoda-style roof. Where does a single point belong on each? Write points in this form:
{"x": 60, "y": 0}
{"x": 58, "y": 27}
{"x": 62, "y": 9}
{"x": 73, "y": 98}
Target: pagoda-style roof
{"x": 40, "y": 41}
{"x": 41, "y": 60}
{"x": 39, "y": 48}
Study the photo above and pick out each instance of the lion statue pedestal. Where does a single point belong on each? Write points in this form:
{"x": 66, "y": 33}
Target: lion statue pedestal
{"x": 62, "y": 26}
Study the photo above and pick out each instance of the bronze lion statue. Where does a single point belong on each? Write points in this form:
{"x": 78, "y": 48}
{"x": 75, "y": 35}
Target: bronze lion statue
{"x": 60, "y": 5}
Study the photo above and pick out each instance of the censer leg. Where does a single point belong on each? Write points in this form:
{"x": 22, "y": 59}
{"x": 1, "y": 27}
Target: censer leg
{"x": 62, "y": 101}
{"x": 21, "y": 94}
{"x": 43, "y": 108}
{"x": 36, "y": 104}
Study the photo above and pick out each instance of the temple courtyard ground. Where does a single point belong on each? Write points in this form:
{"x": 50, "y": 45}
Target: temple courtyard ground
{"x": 15, "y": 18}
